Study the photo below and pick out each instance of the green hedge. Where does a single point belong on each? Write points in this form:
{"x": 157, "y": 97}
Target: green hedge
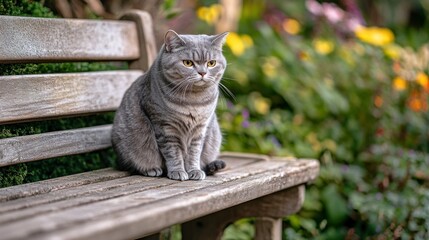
{"x": 35, "y": 171}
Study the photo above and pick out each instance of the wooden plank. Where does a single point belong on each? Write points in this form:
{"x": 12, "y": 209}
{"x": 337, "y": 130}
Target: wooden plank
{"x": 30, "y": 189}
{"x": 148, "y": 49}
{"x": 54, "y": 144}
{"x": 144, "y": 213}
{"x": 137, "y": 184}
{"x": 30, "y": 97}
{"x": 154, "y": 194}
{"x": 69, "y": 193}
{"x": 55, "y": 184}
{"x": 28, "y": 39}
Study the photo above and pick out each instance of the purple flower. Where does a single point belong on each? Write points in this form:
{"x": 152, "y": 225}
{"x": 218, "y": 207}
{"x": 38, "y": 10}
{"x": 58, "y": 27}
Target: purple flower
{"x": 229, "y": 105}
{"x": 343, "y": 21}
{"x": 245, "y": 114}
{"x": 275, "y": 141}
{"x": 245, "y": 124}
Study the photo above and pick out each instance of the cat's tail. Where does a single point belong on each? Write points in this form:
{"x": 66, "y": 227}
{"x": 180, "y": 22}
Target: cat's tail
{"x": 214, "y": 166}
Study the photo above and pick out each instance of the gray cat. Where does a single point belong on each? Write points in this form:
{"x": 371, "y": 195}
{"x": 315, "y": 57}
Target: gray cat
{"x": 166, "y": 122}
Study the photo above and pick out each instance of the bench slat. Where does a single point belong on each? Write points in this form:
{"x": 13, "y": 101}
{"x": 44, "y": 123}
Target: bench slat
{"x": 146, "y": 190}
{"x": 68, "y": 193}
{"x": 27, "y": 39}
{"x": 56, "y": 184}
{"x": 147, "y": 211}
{"x": 54, "y": 144}
{"x": 105, "y": 192}
{"x": 31, "y": 97}
{"x": 78, "y": 191}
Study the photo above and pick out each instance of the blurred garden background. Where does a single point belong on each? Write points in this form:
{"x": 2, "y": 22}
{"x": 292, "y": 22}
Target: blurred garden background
{"x": 345, "y": 82}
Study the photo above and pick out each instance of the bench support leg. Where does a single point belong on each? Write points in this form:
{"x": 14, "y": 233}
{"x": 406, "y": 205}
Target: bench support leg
{"x": 268, "y": 210}
{"x": 267, "y": 228}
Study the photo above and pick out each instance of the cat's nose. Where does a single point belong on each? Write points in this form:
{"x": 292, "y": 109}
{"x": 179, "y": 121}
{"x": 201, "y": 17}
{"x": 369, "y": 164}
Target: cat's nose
{"x": 202, "y": 73}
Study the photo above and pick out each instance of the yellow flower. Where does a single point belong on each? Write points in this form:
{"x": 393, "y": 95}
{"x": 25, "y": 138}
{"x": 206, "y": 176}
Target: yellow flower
{"x": 237, "y": 43}
{"x": 399, "y": 84}
{"x": 291, "y": 26}
{"x": 392, "y": 51}
{"x": 422, "y": 79}
{"x": 270, "y": 66}
{"x": 234, "y": 42}
{"x": 323, "y": 46}
{"x": 375, "y": 35}
{"x": 210, "y": 14}
{"x": 247, "y": 40}
{"x": 261, "y": 105}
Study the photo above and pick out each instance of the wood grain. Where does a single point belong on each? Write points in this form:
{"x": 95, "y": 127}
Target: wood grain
{"x": 28, "y": 39}
{"x": 149, "y": 211}
{"x": 31, "y": 97}
{"x": 146, "y": 37}
{"x": 31, "y": 189}
{"x": 54, "y": 144}
{"x": 267, "y": 228}
{"x": 107, "y": 190}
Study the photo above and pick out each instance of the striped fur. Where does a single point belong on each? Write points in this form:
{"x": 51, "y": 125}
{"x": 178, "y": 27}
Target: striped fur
{"x": 166, "y": 123}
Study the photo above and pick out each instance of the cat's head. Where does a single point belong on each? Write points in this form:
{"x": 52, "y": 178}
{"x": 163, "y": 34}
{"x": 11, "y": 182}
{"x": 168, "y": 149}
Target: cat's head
{"x": 193, "y": 59}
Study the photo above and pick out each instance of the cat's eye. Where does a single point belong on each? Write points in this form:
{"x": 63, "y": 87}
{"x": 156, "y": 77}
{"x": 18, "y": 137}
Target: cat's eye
{"x": 211, "y": 63}
{"x": 188, "y": 63}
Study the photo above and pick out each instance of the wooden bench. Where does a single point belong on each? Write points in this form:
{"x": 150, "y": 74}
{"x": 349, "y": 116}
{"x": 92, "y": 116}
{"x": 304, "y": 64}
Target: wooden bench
{"x": 106, "y": 203}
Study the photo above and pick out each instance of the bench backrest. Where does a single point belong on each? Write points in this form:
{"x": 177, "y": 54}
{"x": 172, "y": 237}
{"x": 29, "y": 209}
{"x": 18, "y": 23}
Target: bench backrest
{"x": 25, "y": 98}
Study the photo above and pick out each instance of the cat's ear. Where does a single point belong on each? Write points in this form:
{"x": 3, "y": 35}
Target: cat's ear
{"x": 172, "y": 40}
{"x": 219, "y": 40}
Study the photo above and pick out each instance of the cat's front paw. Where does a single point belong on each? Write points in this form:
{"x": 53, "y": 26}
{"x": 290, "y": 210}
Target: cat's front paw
{"x": 178, "y": 175}
{"x": 154, "y": 172}
{"x": 196, "y": 174}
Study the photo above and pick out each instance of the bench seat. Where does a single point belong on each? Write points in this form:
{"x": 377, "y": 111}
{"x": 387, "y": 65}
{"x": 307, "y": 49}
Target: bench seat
{"x": 110, "y": 204}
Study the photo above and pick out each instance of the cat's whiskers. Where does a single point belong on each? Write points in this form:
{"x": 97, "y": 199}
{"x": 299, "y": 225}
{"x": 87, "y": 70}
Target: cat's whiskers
{"x": 175, "y": 91}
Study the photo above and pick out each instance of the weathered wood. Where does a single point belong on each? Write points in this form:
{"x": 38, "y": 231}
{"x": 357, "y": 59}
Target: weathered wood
{"x": 56, "y": 184}
{"x": 72, "y": 192}
{"x": 104, "y": 193}
{"x": 275, "y": 206}
{"x": 146, "y": 38}
{"x": 54, "y": 144}
{"x": 29, "y": 97}
{"x": 27, "y": 39}
{"x": 147, "y": 212}
{"x": 267, "y": 228}
{"x": 152, "y": 191}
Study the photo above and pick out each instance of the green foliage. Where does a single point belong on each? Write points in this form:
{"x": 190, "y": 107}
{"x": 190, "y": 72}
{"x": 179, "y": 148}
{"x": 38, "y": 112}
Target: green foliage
{"x": 24, "y": 8}
{"x": 335, "y": 97}
{"x": 240, "y": 230}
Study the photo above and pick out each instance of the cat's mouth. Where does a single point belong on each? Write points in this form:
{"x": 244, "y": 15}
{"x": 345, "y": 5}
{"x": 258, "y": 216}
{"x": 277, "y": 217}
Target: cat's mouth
{"x": 202, "y": 82}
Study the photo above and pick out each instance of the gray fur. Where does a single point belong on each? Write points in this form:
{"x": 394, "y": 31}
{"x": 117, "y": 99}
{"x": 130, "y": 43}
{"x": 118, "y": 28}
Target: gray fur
{"x": 166, "y": 122}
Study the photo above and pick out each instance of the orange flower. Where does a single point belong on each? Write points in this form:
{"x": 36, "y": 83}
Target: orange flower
{"x": 396, "y": 67}
{"x": 417, "y": 102}
{"x": 378, "y": 101}
{"x": 399, "y": 84}
{"x": 291, "y": 26}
